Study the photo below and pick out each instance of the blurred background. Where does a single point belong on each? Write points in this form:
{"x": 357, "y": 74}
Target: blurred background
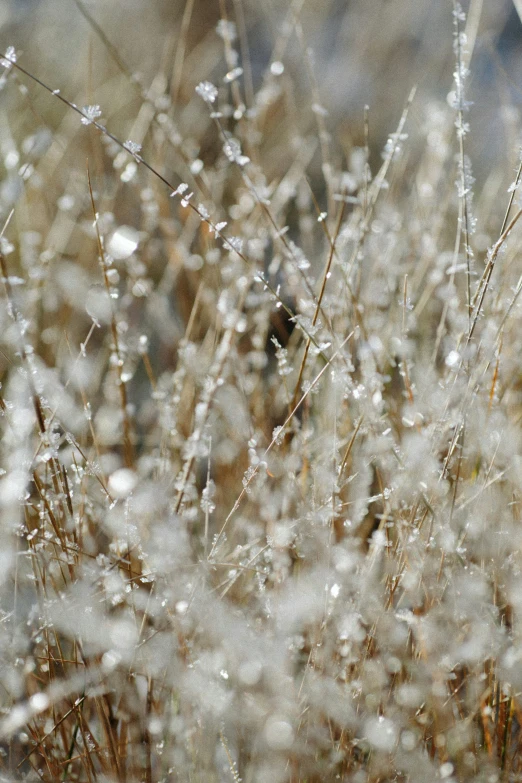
{"x": 360, "y": 52}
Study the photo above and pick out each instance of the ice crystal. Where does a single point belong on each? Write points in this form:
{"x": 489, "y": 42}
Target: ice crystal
{"x": 9, "y": 59}
{"x": 207, "y": 91}
{"x": 381, "y": 733}
{"x": 196, "y": 167}
{"x": 203, "y": 212}
{"x": 91, "y": 114}
{"x": 123, "y": 242}
{"x": 226, "y": 30}
{"x": 277, "y": 68}
{"x": 279, "y": 733}
{"x": 234, "y": 243}
{"x": 182, "y": 188}
{"x": 133, "y": 147}
{"x": 232, "y": 149}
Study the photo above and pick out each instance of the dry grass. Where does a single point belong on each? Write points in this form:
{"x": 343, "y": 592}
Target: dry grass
{"x": 261, "y": 402}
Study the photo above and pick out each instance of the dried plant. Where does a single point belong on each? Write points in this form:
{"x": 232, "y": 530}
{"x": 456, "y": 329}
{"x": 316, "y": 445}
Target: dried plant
{"x": 260, "y": 492}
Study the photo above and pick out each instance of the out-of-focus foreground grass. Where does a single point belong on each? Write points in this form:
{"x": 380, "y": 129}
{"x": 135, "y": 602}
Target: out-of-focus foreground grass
{"x": 260, "y": 492}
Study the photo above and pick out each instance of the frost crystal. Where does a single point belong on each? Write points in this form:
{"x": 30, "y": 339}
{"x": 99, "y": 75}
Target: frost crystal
{"x": 122, "y": 482}
{"x": 133, "y": 147}
{"x": 10, "y": 57}
{"x": 123, "y": 242}
{"x": 279, "y": 733}
{"x": 207, "y": 499}
{"x": 381, "y": 733}
{"x": 226, "y": 30}
{"x": 232, "y": 149}
{"x": 91, "y": 113}
{"x": 235, "y": 243}
{"x": 207, "y": 91}
{"x": 452, "y": 359}
{"x": 196, "y": 167}
{"x": 203, "y": 212}
{"x": 179, "y": 190}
